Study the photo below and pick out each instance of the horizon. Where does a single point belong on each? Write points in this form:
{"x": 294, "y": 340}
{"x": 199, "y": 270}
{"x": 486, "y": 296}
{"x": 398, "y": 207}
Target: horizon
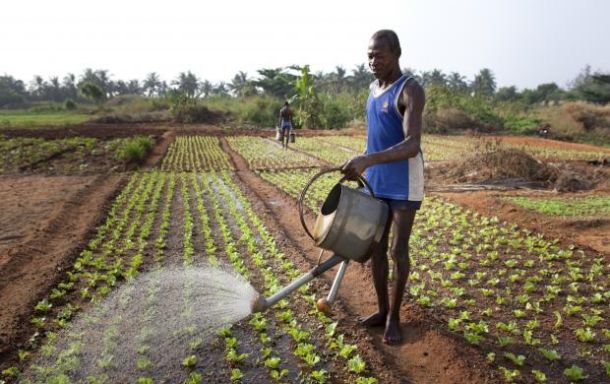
{"x": 523, "y": 43}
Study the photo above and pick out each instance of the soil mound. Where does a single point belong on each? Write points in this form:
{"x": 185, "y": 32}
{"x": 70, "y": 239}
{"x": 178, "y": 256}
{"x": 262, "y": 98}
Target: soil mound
{"x": 503, "y": 164}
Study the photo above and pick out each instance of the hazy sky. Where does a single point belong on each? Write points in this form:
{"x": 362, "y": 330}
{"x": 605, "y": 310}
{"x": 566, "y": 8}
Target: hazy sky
{"x": 524, "y": 42}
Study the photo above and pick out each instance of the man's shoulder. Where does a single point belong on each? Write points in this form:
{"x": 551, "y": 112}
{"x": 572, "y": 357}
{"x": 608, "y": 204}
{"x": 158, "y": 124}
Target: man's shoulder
{"x": 413, "y": 84}
{"x": 412, "y": 88}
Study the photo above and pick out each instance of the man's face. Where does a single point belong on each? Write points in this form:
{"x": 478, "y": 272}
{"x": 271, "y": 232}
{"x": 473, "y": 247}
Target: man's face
{"x": 381, "y": 59}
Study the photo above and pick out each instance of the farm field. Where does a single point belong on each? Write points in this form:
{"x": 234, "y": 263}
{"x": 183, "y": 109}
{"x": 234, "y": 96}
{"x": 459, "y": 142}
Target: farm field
{"x": 437, "y": 148}
{"x": 75, "y": 155}
{"x": 490, "y": 300}
{"x": 27, "y": 119}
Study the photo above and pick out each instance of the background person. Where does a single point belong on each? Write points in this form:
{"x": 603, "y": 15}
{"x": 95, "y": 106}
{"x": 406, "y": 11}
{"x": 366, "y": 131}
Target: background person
{"x": 285, "y": 123}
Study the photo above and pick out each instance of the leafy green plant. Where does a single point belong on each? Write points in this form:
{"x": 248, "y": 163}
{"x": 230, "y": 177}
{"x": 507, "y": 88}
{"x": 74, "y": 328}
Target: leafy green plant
{"x": 550, "y": 354}
{"x": 189, "y": 361}
{"x": 356, "y": 364}
{"x": 575, "y": 373}
{"x": 516, "y": 359}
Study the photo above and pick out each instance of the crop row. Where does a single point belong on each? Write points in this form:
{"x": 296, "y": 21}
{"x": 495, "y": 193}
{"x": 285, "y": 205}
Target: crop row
{"x": 115, "y": 253}
{"x": 537, "y": 309}
{"x": 439, "y": 147}
{"x": 321, "y": 149}
{"x": 195, "y": 153}
{"x": 261, "y": 153}
{"x": 574, "y": 206}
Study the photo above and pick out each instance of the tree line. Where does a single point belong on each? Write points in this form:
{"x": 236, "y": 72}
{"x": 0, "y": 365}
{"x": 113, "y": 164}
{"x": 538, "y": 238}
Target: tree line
{"x": 281, "y": 83}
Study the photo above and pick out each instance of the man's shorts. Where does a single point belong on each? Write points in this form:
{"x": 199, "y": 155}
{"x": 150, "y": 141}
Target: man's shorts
{"x": 286, "y": 126}
{"x": 397, "y": 205}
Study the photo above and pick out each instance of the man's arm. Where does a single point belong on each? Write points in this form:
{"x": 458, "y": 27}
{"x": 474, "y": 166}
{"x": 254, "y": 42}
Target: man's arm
{"x": 413, "y": 101}
{"x": 279, "y": 122}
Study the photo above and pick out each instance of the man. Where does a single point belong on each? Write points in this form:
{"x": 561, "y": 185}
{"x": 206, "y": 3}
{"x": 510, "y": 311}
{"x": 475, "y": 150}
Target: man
{"x": 285, "y": 123}
{"x": 395, "y": 169}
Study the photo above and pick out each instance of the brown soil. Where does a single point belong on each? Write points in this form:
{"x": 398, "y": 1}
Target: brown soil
{"x": 587, "y": 233}
{"x": 157, "y": 154}
{"x": 48, "y": 221}
{"x": 429, "y": 354}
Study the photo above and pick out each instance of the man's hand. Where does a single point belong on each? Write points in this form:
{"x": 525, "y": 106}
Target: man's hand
{"x": 355, "y": 166}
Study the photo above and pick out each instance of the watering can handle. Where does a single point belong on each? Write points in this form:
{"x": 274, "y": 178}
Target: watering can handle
{"x": 361, "y": 181}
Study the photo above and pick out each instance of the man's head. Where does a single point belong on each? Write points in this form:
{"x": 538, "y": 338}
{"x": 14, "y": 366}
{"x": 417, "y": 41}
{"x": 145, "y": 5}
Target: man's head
{"x": 286, "y": 103}
{"x": 383, "y": 53}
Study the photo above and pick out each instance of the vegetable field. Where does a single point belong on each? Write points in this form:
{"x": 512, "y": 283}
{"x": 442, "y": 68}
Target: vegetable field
{"x": 528, "y": 307}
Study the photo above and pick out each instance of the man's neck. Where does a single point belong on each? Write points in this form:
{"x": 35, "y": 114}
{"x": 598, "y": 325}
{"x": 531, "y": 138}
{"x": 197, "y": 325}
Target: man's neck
{"x": 391, "y": 78}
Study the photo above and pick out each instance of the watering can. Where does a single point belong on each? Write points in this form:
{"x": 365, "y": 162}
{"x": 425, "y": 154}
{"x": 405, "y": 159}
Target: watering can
{"x": 350, "y": 224}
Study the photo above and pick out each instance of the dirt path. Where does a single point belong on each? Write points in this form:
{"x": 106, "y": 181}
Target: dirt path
{"x": 428, "y": 355}
{"x": 157, "y": 154}
{"x": 32, "y": 267}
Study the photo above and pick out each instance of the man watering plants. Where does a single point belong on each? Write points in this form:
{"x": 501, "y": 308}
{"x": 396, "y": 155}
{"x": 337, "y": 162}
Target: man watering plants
{"x": 285, "y": 123}
{"x": 394, "y": 166}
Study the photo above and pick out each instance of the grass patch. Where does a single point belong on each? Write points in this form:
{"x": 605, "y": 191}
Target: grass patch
{"x": 29, "y": 119}
{"x": 134, "y": 150}
{"x": 577, "y": 206}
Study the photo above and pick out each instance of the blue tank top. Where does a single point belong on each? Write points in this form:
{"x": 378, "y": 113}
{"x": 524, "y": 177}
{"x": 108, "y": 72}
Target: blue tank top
{"x": 399, "y": 180}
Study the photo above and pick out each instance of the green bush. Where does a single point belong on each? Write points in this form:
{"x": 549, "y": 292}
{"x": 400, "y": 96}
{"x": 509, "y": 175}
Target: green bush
{"x": 69, "y": 105}
{"x": 258, "y": 110}
{"x": 521, "y": 124}
{"x": 135, "y": 149}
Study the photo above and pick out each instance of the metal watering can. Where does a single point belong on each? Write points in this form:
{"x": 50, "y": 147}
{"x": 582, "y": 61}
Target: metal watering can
{"x": 350, "y": 224}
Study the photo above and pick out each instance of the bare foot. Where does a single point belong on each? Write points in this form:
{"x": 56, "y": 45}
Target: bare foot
{"x": 377, "y": 319}
{"x": 392, "y": 334}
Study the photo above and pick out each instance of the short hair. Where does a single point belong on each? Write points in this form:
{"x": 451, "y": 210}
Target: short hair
{"x": 391, "y": 38}
{"x": 286, "y": 102}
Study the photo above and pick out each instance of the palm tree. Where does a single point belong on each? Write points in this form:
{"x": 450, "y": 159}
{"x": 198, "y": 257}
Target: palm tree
{"x": 434, "y": 77}
{"x": 457, "y": 82}
{"x": 484, "y": 83}
{"x": 241, "y": 86}
{"x": 151, "y": 84}
{"x": 188, "y": 83}
{"x": 206, "y": 88}
{"x": 361, "y": 77}
{"x": 69, "y": 85}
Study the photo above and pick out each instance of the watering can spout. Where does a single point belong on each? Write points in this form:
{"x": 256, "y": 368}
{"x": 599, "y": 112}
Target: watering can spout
{"x": 260, "y": 303}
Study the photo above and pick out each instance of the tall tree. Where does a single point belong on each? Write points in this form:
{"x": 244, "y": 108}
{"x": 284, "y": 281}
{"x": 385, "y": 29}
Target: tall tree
{"x": 433, "y": 77}
{"x": 484, "y": 83}
{"x": 12, "y": 91}
{"x": 69, "y": 86}
{"x": 151, "y": 84}
{"x": 275, "y": 82}
{"x": 457, "y": 82}
{"x": 362, "y": 77}
{"x": 206, "y": 88}
{"x": 188, "y": 83}
{"x": 242, "y": 86}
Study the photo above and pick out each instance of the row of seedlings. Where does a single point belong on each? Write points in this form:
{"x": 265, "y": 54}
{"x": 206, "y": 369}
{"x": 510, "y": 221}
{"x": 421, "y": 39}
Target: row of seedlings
{"x": 195, "y": 153}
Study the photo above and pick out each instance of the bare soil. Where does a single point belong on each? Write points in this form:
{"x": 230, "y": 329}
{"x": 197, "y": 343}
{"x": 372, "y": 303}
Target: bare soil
{"x": 45, "y": 221}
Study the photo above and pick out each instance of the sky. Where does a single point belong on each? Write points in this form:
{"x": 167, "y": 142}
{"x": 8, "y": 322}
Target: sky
{"x": 523, "y": 42}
